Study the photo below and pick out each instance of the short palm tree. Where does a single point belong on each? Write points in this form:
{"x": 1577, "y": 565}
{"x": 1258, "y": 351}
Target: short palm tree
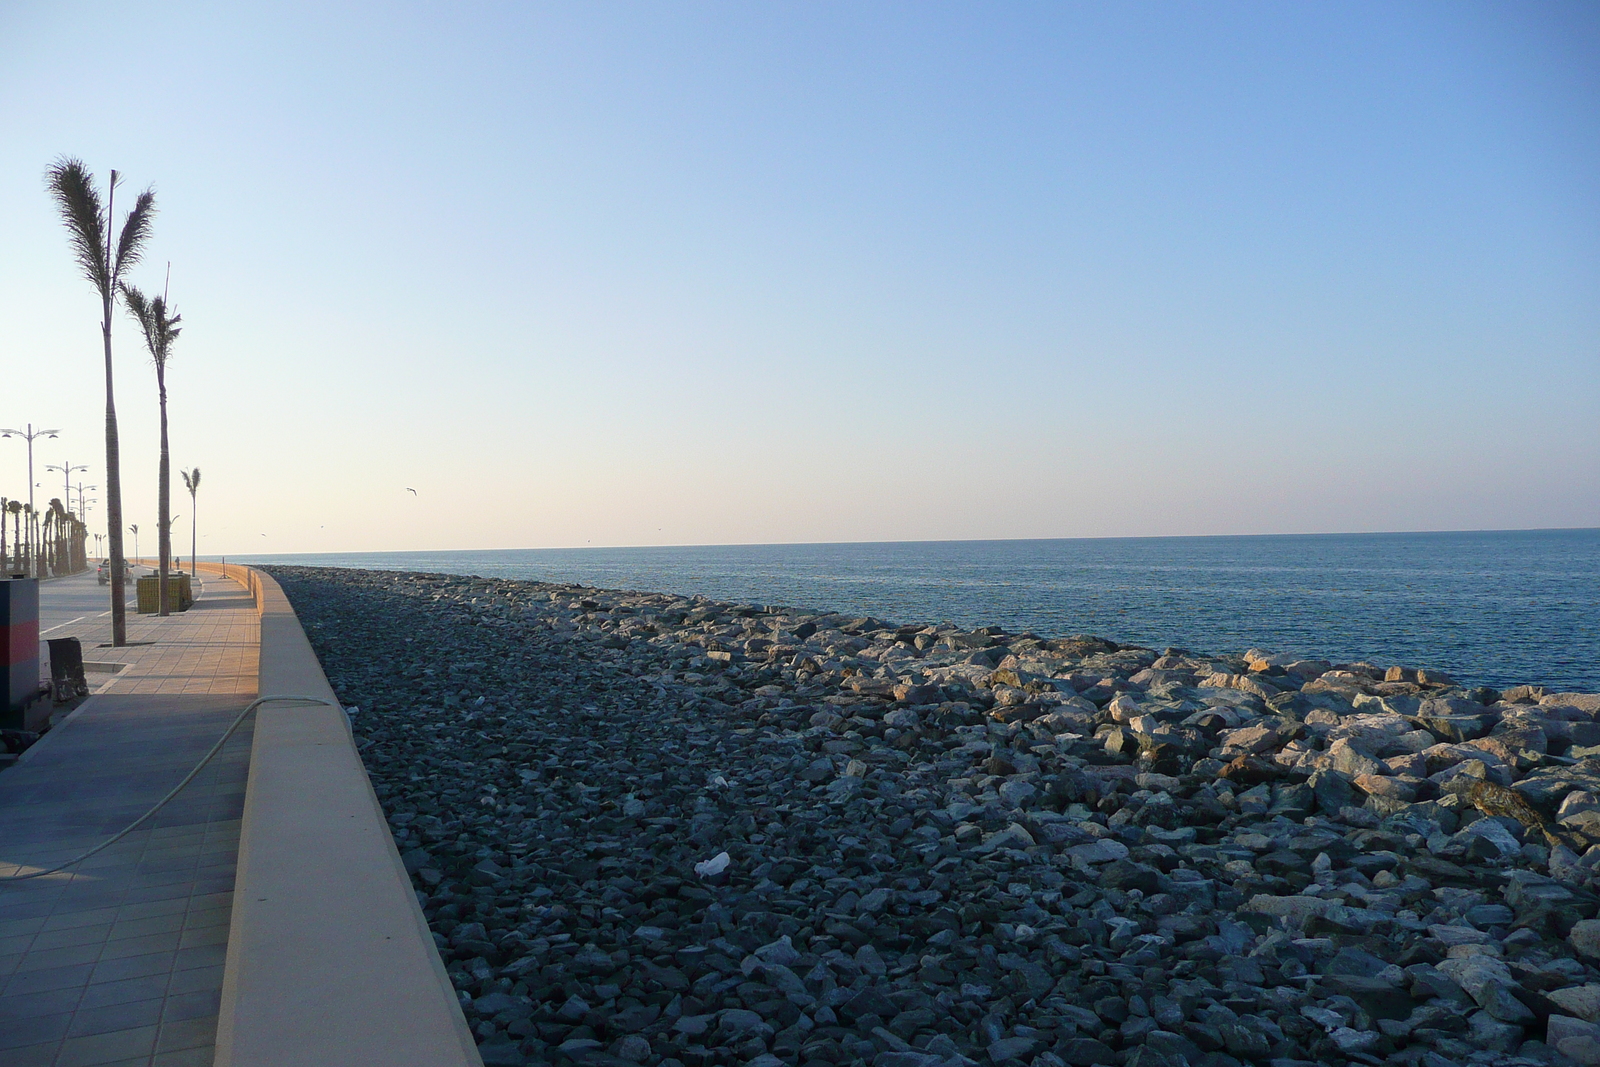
{"x": 160, "y": 330}
{"x": 89, "y": 233}
{"x": 191, "y": 482}
{"x": 15, "y": 508}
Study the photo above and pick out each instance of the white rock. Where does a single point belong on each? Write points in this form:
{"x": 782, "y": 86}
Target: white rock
{"x": 1585, "y": 938}
{"x": 1578, "y": 800}
{"x": 1351, "y": 1041}
{"x": 1495, "y": 833}
{"x": 714, "y": 866}
{"x": 1581, "y": 1000}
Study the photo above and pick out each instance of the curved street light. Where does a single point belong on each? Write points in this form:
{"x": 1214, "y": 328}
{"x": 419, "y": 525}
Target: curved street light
{"x": 28, "y": 435}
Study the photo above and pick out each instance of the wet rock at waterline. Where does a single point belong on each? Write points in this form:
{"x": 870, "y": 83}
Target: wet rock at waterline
{"x": 650, "y": 829}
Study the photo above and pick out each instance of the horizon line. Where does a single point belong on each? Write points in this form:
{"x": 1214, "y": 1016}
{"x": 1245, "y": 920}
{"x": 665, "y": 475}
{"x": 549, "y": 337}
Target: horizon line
{"x": 927, "y": 541}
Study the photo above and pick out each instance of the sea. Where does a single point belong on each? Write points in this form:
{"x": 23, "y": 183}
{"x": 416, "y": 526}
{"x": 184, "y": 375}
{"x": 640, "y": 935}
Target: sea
{"x": 1495, "y": 608}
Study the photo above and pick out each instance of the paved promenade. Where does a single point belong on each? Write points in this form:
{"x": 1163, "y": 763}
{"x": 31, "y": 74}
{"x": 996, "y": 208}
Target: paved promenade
{"x": 120, "y": 959}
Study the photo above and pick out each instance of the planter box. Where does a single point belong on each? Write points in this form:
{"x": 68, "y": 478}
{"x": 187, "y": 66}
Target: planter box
{"x": 179, "y": 596}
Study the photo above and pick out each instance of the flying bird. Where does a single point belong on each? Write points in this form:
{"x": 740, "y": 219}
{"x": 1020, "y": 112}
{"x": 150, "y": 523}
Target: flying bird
{"x": 410, "y": 490}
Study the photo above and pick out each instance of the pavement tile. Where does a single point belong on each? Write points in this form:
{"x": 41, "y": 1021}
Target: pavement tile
{"x": 10, "y": 946}
{"x": 209, "y": 935}
{"x": 201, "y": 956}
{"x": 21, "y": 1032}
{"x": 139, "y": 946}
{"x": 25, "y": 910}
{"x": 109, "y": 1017}
{"x": 150, "y": 909}
{"x": 22, "y": 926}
{"x": 97, "y": 1050}
{"x": 200, "y": 1056}
{"x": 194, "y": 979}
{"x": 56, "y": 978}
{"x": 187, "y": 1033}
{"x": 35, "y": 1005}
{"x": 154, "y": 924}
{"x": 30, "y": 1056}
{"x": 211, "y": 900}
{"x": 124, "y": 990}
{"x": 134, "y": 966}
{"x": 51, "y": 958}
{"x": 201, "y": 919}
{"x": 66, "y": 920}
{"x": 196, "y": 1005}
{"x": 146, "y": 894}
{"x": 72, "y": 935}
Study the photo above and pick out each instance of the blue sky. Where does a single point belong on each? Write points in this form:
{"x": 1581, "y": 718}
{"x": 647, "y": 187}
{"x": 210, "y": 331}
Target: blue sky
{"x": 702, "y": 273}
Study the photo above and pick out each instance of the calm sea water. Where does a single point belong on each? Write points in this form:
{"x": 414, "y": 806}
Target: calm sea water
{"x": 1497, "y": 608}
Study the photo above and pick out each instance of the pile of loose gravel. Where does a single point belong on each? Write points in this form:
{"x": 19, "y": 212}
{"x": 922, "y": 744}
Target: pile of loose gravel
{"x": 664, "y": 830}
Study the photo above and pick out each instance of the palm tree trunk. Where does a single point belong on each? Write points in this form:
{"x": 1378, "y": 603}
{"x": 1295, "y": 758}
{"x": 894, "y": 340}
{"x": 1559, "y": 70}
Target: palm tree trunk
{"x": 194, "y": 533}
{"x": 163, "y": 499}
{"x": 119, "y": 597}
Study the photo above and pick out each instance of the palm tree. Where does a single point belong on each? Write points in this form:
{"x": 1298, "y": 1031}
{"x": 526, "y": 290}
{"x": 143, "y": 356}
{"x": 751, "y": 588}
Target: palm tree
{"x": 30, "y": 526}
{"x": 47, "y": 535}
{"x": 191, "y": 482}
{"x": 15, "y": 508}
{"x": 89, "y": 234}
{"x": 160, "y": 330}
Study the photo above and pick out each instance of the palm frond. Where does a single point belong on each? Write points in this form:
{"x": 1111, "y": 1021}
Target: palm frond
{"x": 135, "y": 231}
{"x": 138, "y": 306}
{"x": 84, "y": 216}
{"x": 151, "y": 314}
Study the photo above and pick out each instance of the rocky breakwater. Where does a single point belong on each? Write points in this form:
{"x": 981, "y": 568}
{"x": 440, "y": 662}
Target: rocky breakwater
{"x": 649, "y": 829}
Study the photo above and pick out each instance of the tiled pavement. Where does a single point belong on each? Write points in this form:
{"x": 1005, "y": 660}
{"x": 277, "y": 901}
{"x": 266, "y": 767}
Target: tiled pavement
{"x": 119, "y": 960}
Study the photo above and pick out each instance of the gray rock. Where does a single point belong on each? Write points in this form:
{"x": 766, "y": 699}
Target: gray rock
{"x": 1574, "y": 1038}
{"x": 1011, "y": 1049}
{"x": 1582, "y": 1001}
{"x": 1086, "y": 1052}
{"x": 1488, "y": 981}
{"x": 1585, "y": 938}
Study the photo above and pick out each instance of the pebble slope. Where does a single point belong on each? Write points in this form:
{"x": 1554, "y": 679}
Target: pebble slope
{"x": 664, "y": 830}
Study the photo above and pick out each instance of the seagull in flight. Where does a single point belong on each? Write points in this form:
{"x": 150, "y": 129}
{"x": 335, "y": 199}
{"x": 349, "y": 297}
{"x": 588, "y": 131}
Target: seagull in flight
{"x": 410, "y": 490}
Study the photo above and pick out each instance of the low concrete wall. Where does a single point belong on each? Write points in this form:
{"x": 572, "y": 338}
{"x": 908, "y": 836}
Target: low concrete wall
{"x": 330, "y": 961}
{"x": 243, "y": 575}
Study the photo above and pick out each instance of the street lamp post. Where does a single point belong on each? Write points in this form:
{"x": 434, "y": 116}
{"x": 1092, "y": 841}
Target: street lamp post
{"x": 66, "y": 470}
{"x": 83, "y": 507}
{"x": 135, "y": 528}
{"x": 28, "y": 435}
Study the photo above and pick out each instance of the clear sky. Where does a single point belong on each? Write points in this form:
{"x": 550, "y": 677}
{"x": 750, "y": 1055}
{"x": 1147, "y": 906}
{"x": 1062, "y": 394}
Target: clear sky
{"x": 679, "y": 273}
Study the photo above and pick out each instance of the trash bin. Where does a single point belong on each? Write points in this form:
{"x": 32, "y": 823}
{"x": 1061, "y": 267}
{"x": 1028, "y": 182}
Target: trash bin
{"x": 19, "y": 648}
{"x": 66, "y": 668}
{"x": 179, "y": 597}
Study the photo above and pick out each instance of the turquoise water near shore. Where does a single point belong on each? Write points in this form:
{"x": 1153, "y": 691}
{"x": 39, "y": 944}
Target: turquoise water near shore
{"x": 1491, "y": 608}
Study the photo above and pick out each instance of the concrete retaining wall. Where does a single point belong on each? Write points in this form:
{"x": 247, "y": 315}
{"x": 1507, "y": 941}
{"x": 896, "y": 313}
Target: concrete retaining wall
{"x": 330, "y": 961}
